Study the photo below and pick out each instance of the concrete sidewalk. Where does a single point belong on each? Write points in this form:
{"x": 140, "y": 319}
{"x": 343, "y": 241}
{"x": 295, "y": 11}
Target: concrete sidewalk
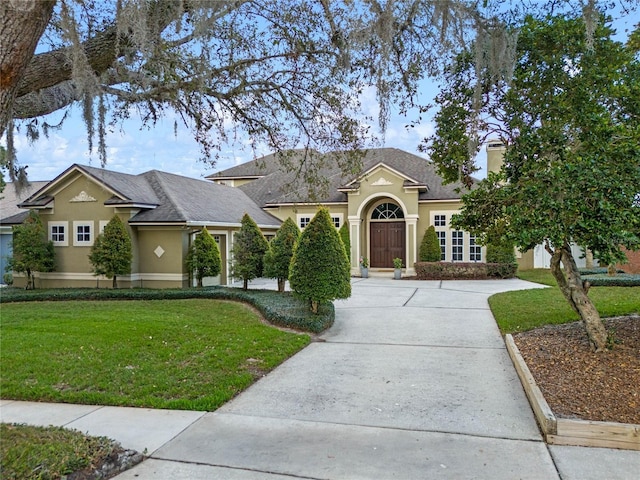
{"x": 413, "y": 381}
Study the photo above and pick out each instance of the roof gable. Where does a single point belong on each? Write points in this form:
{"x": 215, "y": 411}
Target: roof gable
{"x": 378, "y": 169}
{"x": 126, "y": 189}
{"x": 161, "y": 197}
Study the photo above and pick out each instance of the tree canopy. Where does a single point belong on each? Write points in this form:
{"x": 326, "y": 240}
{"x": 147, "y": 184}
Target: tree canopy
{"x": 282, "y": 73}
{"x": 569, "y": 119}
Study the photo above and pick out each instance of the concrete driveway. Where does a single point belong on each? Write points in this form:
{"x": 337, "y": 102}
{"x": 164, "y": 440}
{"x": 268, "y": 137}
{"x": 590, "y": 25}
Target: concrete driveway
{"x": 412, "y": 382}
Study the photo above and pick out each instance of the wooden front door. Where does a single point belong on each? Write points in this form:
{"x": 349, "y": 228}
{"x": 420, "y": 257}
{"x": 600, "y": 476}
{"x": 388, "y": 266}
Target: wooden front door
{"x": 387, "y": 243}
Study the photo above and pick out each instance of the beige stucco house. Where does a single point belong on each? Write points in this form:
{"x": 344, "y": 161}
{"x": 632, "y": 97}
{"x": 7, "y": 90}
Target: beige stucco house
{"x": 163, "y": 213}
{"x": 387, "y": 207}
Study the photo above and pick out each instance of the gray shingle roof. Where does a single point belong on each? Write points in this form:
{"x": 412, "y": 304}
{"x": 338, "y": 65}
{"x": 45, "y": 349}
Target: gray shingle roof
{"x": 280, "y": 185}
{"x": 172, "y": 198}
{"x": 259, "y": 167}
{"x": 10, "y": 198}
{"x": 133, "y": 188}
{"x": 183, "y": 199}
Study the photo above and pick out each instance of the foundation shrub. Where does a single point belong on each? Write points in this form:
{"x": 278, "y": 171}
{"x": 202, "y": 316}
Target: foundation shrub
{"x": 619, "y": 280}
{"x": 460, "y": 271}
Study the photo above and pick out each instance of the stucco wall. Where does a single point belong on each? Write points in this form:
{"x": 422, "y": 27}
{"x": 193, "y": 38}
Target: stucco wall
{"x": 161, "y": 254}
{"x": 78, "y": 201}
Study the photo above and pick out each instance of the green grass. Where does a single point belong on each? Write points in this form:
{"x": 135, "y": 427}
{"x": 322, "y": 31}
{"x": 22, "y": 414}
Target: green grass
{"x": 47, "y": 453}
{"x": 178, "y": 354}
{"x": 527, "y": 309}
{"x": 537, "y": 275}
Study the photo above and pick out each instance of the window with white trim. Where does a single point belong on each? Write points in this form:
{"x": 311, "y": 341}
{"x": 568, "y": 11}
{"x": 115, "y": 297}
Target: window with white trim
{"x": 475, "y": 250}
{"x": 337, "y": 221}
{"x": 442, "y": 238}
{"x": 457, "y": 245}
{"x": 303, "y": 221}
{"x": 387, "y": 211}
{"x": 58, "y": 232}
{"x": 83, "y": 233}
{"x": 439, "y": 220}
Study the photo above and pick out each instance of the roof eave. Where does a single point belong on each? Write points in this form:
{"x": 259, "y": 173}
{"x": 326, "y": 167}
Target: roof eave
{"x": 38, "y": 203}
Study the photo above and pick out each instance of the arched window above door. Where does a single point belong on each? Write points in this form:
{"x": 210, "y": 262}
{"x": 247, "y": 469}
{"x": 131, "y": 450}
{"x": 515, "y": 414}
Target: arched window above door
{"x": 387, "y": 211}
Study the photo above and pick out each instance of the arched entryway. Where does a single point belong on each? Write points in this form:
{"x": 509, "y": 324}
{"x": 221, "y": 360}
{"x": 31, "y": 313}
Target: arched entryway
{"x": 387, "y": 235}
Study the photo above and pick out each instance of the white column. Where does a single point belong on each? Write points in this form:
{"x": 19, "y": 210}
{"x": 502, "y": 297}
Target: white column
{"x": 411, "y": 233}
{"x": 354, "y": 233}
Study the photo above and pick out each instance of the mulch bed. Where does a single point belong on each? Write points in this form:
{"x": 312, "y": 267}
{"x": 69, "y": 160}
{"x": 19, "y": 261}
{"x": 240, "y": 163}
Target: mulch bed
{"x": 578, "y": 383}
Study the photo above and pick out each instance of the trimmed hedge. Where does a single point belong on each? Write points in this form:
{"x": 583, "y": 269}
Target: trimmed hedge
{"x": 460, "y": 271}
{"x": 280, "y": 309}
{"x": 619, "y": 280}
{"x": 597, "y": 271}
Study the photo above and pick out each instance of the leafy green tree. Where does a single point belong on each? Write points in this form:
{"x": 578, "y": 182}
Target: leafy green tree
{"x": 203, "y": 257}
{"x": 111, "y": 252}
{"x": 320, "y": 269}
{"x": 277, "y": 259}
{"x": 346, "y": 238}
{"x": 568, "y": 114}
{"x": 32, "y": 252}
{"x": 249, "y": 247}
{"x": 430, "y": 247}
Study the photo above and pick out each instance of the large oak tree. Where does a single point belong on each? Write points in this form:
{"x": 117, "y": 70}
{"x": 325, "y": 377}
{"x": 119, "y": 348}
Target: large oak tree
{"x": 284, "y": 73}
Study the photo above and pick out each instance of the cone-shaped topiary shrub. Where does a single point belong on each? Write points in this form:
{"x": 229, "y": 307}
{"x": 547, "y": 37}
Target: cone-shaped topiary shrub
{"x": 203, "y": 259}
{"x": 430, "y": 246}
{"x": 320, "y": 269}
{"x": 346, "y": 240}
{"x": 111, "y": 252}
{"x": 249, "y": 247}
{"x": 277, "y": 260}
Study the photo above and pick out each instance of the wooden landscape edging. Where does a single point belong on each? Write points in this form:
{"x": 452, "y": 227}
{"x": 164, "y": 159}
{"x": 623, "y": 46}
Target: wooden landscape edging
{"x": 558, "y": 431}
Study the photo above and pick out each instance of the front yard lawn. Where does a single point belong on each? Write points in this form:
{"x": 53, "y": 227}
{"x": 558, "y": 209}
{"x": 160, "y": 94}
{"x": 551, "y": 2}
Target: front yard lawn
{"x": 524, "y": 310}
{"x": 178, "y": 354}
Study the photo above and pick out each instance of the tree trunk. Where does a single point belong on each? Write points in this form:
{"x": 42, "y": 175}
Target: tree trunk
{"x": 30, "y": 281}
{"x": 46, "y": 83}
{"x": 314, "y": 306}
{"x": 281, "y": 284}
{"x": 245, "y": 284}
{"x": 21, "y": 27}
{"x": 199, "y": 282}
{"x": 115, "y": 282}
{"x": 574, "y": 291}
